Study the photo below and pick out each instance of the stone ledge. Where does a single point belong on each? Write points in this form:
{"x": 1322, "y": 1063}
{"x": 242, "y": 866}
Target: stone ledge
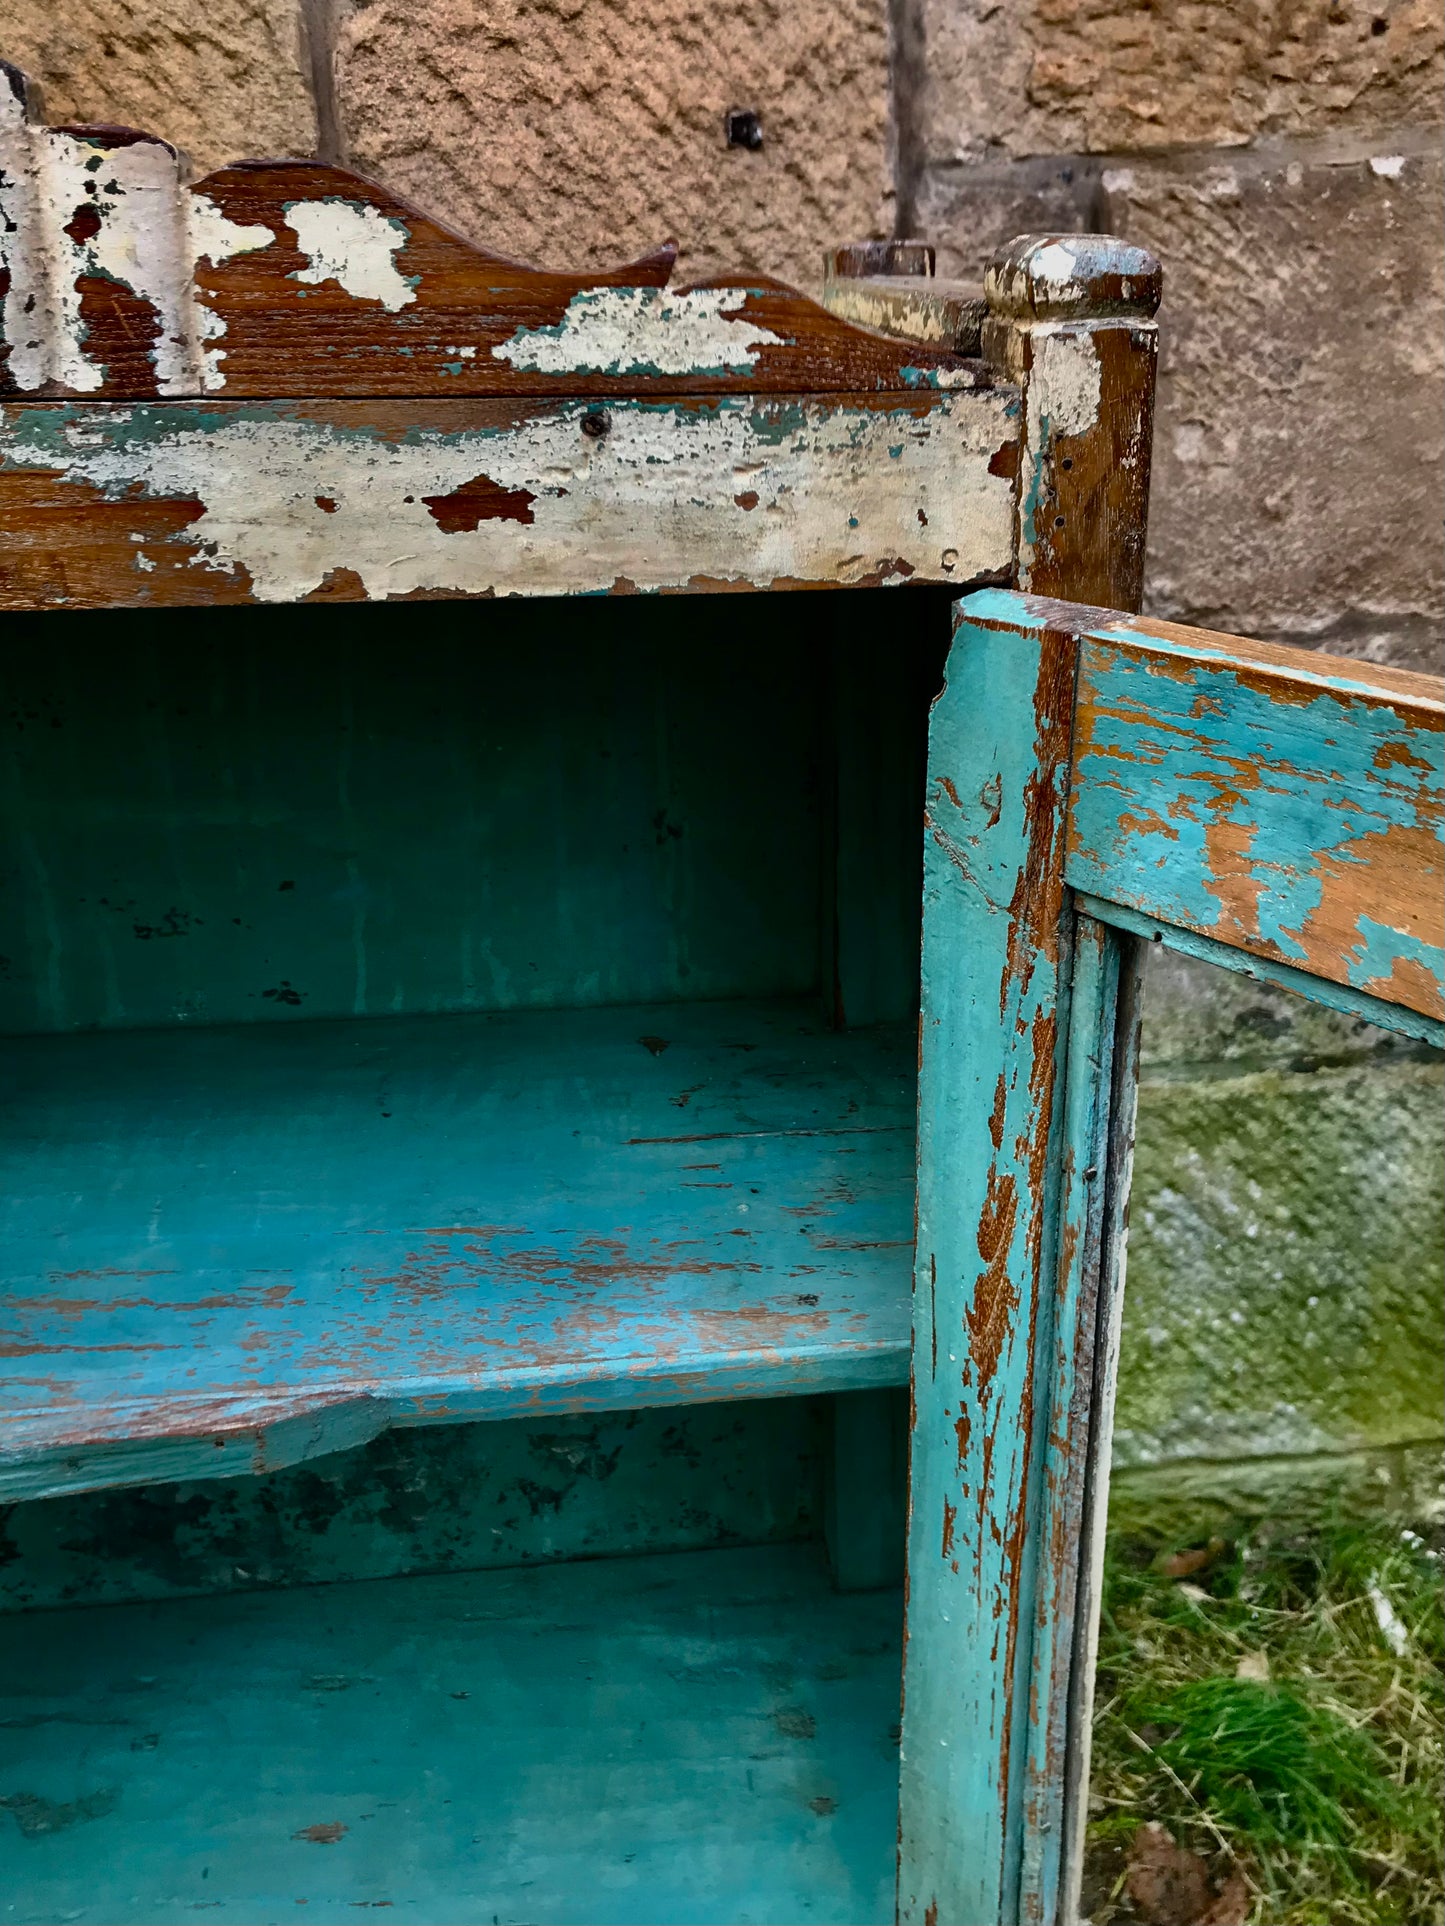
{"x": 1190, "y": 1498}
{"x": 1101, "y": 76}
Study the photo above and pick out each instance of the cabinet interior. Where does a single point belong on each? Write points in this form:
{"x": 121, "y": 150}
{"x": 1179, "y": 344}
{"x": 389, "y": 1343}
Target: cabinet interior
{"x": 423, "y": 1014}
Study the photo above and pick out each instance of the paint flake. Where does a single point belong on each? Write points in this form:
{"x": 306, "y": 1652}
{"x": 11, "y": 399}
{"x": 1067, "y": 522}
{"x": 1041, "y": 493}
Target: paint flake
{"x": 353, "y": 244}
{"x": 645, "y": 331}
{"x": 214, "y": 237}
{"x": 119, "y": 223}
{"x": 1056, "y": 265}
{"x": 1067, "y": 386}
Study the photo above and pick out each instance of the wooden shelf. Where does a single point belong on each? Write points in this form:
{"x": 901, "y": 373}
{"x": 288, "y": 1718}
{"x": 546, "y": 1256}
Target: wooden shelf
{"x": 231, "y": 1249}
{"x": 710, "y": 1736}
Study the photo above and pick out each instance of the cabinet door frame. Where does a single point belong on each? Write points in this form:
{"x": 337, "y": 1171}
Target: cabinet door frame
{"x": 1096, "y": 782}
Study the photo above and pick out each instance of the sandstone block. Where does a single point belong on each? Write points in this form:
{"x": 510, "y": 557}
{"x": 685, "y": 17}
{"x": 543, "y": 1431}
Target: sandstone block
{"x": 576, "y": 136}
{"x": 1115, "y": 76}
{"x": 1300, "y": 432}
{"x": 228, "y": 82}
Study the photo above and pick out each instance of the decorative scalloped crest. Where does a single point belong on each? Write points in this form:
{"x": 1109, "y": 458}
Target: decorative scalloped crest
{"x": 118, "y": 280}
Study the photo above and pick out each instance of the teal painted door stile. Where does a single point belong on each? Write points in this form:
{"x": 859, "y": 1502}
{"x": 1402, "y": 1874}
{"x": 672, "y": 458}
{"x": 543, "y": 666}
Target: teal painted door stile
{"x": 1026, "y": 1101}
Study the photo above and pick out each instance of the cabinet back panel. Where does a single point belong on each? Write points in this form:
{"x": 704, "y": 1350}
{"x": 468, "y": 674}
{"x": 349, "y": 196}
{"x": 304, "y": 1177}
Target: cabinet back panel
{"x": 443, "y": 1498}
{"x": 224, "y": 816}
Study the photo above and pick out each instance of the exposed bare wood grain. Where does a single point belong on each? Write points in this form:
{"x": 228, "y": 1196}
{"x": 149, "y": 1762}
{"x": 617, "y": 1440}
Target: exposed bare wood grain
{"x": 1071, "y": 319}
{"x": 1287, "y": 804}
{"x": 174, "y": 504}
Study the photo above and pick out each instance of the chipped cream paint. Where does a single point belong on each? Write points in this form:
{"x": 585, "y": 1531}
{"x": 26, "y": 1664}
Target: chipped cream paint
{"x": 134, "y": 238}
{"x": 214, "y": 237}
{"x": 133, "y": 191}
{"x": 1066, "y": 383}
{"x": 25, "y": 308}
{"x": 151, "y": 235}
{"x": 951, "y": 378}
{"x": 643, "y": 331}
{"x": 744, "y": 492}
{"x": 352, "y": 244}
{"x": 1055, "y": 265}
{"x": 1062, "y": 397}
{"x": 887, "y": 311}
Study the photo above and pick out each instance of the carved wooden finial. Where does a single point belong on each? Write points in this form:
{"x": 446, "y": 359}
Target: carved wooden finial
{"x": 1071, "y": 319}
{"x": 1067, "y": 277}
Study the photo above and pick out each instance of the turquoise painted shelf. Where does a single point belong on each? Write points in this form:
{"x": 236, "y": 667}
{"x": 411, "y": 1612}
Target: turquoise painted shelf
{"x": 234, "y": 1248}
{"x": 710, "y": 1736}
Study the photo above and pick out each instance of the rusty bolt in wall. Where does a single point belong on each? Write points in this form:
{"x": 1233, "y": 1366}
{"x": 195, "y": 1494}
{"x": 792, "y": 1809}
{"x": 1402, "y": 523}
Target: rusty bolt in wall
{"x": 744, "y": 128}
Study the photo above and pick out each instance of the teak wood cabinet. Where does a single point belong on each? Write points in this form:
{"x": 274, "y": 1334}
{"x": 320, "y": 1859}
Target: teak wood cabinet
{"x": 508, "y": 1007}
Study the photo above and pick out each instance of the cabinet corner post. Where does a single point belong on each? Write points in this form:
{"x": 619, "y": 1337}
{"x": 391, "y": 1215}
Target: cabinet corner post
{"x": 1071, "y": 320}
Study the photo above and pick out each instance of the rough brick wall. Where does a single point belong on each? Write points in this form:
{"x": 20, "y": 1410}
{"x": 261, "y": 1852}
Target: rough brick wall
{"x": 221, "y": 81}
{"x": 564, "y": 132}
{"x": 573, "y": 134}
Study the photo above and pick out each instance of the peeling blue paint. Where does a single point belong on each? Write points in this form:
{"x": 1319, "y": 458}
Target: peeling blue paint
{"x": 1217, "y": 798}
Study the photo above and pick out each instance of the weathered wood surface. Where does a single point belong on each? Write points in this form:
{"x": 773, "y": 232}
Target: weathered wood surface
{"x": 1071, "y": 320}
{"x": 891, "y": 286}
{"x": 274, "y": 278}
{"x": 995, "y": 1015}
{"x": 1262, "y": 969}
{"x": 1283, "y": 803}
{"x": 939, "y": 313}
{"x": 433, "y": 1220}
{"x": 698, "y": 1738}
{"x": 1079, "y": 1342}
{"x": 865, "y": 1489}
{"x": 159, "y": 504}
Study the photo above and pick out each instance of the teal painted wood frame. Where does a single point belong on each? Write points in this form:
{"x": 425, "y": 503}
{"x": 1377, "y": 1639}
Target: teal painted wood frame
{"x": 1095, "y": 781}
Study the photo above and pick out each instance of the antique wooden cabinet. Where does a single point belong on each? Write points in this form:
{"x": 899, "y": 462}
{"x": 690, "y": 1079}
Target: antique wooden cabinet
{"x": 467, "y": 1083}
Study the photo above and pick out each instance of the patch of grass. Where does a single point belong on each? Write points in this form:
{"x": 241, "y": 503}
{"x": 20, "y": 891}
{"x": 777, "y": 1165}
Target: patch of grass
{"x": 1273, "y": 1766}
{"x": 1318, "y": 1772}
